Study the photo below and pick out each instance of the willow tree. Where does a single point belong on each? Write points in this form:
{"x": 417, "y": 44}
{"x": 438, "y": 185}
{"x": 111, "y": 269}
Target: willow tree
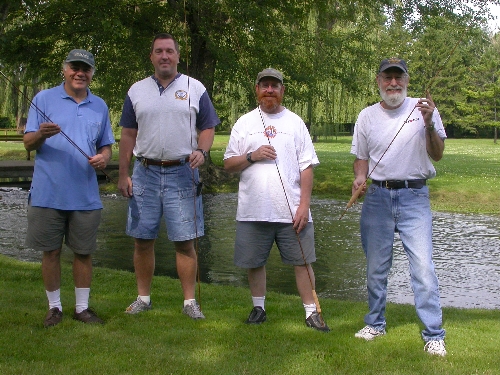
{"x": 481, "y": 105}
{"x": 224, "y": 43}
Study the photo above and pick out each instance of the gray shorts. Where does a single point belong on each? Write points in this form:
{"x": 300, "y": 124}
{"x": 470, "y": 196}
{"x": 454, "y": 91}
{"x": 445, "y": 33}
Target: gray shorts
{"x": 254, "y": 240}
{"x": 47, "y": 227}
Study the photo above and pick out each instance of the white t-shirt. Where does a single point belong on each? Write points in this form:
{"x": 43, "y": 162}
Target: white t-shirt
{"x": 261, "y": 194}
{"x": 406, "y": 158}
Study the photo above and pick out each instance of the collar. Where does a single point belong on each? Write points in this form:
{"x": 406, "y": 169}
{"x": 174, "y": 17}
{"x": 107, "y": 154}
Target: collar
{"x": 160, "y": 87}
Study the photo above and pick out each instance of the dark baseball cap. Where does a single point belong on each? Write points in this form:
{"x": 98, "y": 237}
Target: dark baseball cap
{"x": 269, "y": 72}
{"x": 81, "y": 55}
{"x": 393, "y": 62}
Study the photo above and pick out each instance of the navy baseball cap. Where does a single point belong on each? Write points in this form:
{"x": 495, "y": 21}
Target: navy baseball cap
{"x": 393, "y": 62}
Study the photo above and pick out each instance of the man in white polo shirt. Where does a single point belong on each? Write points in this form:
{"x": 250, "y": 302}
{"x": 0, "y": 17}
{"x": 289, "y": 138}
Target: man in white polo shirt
{"x": 168, "y": 124}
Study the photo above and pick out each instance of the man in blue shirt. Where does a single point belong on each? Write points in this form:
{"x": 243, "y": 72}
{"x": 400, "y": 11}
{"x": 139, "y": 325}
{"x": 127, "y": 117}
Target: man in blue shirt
{"x": 64, "y": 202}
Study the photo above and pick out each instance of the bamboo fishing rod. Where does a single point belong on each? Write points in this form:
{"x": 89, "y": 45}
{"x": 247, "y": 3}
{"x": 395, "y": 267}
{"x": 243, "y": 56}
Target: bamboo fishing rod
{"x": 315, "y": 296}
{"x": 360, "y": 188}
{"x": 195, "y": 187}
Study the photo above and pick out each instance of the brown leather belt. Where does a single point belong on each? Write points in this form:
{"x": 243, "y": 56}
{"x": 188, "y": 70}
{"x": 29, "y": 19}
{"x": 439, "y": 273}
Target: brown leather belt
{"x": 163, "y": 163}
{"x": 401, "y": 184}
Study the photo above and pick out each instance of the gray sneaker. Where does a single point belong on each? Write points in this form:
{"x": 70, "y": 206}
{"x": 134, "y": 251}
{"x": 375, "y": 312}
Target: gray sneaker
{"x": 193, "y": 311}
{"x": 137, "y": 306}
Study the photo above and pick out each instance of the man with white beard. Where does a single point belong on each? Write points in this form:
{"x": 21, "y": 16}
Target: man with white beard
{"x": 394, "y": 141}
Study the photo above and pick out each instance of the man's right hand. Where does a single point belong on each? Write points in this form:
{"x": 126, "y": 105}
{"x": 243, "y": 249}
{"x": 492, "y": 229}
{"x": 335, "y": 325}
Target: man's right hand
{"x": 125, "y": 186}
{"x": 264, "y": 152}
{"x": 48, "y": 129}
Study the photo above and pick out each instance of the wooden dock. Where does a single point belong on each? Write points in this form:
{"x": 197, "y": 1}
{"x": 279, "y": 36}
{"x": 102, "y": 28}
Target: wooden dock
{"x": 20, "y": 172}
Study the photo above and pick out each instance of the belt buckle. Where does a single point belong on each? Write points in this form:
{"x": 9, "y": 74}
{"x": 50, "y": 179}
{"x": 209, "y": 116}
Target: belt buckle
{"x": 387, "y": 184}
{"x": 144, "y": 162}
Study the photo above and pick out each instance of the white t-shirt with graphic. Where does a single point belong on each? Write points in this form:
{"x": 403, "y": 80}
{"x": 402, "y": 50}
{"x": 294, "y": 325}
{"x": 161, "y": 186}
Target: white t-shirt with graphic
{"x": 261, "y": 194}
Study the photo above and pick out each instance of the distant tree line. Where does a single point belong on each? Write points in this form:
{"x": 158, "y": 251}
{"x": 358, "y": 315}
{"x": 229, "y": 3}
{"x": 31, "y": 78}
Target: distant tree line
{"x": 328, "y": 50}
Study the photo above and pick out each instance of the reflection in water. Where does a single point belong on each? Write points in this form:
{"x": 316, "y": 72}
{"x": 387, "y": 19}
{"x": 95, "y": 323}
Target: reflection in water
{"x": 466, "y": 253}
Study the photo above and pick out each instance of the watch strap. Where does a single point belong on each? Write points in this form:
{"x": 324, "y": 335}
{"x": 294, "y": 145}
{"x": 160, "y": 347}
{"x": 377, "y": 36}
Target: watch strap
{"x": 205, "y": 154}
{"x": 249, "y": 158}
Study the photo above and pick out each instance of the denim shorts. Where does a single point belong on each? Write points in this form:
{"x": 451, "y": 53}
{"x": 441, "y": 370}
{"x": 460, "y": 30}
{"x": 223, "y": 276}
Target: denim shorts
{"x": 170, "y": 192}
{"x": 254, "y": 240}
{"x": 48, "y": 227}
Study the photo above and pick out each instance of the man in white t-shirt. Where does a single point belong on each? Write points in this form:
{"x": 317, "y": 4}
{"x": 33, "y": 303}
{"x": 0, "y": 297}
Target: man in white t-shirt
{"x": 272, "y": 149}
{"x": 394, "y": 141}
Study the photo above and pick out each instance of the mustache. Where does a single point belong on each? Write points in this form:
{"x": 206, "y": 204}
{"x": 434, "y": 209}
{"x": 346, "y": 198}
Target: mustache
{"x": 394, "y": 88}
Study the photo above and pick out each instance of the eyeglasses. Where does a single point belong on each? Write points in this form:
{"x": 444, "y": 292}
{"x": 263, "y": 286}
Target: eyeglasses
{"x": 274, "y": 86}
{"x": 388, "y": 79}
{"x": 84, "y": 68}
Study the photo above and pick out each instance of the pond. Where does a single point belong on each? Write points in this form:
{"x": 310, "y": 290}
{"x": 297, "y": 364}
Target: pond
{"x": 466, "y": 253}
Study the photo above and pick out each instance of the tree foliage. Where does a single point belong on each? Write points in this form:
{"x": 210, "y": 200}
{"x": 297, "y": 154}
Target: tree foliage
{"x": 328, "y": 50}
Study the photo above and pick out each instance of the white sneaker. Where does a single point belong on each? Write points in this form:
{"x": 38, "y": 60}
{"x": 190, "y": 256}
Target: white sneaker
{"x": 193, "y": 311}
{"x": 435, "y": 347}
{"x": 369, "y": 333}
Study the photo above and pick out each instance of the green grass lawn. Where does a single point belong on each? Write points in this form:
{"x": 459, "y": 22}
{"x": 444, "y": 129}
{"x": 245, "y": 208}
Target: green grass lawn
{"x": 164, "y": 341}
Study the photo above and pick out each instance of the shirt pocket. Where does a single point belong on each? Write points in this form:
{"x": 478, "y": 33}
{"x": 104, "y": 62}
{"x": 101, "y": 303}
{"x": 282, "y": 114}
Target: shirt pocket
{"x": 93, "y": 130}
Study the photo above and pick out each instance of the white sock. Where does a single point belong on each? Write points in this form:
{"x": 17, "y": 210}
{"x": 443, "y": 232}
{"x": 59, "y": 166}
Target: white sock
{"x": 259, "y": 301}
{"x": 309, "y": 309}
{"x": 189, "y": 302}
{"x": 82, "y": 299}
{"x": 54, "y": 299}
{"x": 145, "y": 299}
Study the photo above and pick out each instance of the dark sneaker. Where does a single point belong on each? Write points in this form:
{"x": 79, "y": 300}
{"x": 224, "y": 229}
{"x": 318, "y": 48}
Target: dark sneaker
{"x": 88, "y": 316}
{"x": 53, "y": 317}
{"x": 316, "y": 321}
{"x": 257, "y": 316}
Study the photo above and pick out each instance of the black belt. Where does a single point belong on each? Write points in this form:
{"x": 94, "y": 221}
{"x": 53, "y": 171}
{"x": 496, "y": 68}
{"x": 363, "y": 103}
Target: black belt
{"x": 401, "y": 184}
{"x": 163, "y": 163}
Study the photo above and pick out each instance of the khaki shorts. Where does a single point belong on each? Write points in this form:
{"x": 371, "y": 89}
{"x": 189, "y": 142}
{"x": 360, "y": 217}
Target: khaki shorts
{"x": 48, "y": 227}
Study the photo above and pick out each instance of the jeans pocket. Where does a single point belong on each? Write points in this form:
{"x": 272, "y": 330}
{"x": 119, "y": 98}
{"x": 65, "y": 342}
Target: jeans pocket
{"x": 137, "y": 200}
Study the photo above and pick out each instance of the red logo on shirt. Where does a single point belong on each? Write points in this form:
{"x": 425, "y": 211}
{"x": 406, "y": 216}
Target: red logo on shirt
{"x": 270, "y": 132}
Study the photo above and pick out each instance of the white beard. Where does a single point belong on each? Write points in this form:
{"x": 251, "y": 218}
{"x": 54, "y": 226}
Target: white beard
{"x": 394, "y": 99}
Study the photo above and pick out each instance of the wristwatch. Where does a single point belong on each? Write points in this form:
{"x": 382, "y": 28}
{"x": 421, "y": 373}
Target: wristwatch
{"x": 249, "y": 158}
{"x": 205, "y": 154}
{"x": 431, "y": 126}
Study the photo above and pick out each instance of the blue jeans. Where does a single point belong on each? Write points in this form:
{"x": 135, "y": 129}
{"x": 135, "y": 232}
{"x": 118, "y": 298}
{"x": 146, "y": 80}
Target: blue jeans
{"x": 168, "y": 192}
{"x": 408, "y": 212}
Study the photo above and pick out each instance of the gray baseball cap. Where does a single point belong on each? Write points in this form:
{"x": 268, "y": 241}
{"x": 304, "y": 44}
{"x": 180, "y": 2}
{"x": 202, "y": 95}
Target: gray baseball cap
{"x": 269, "y": 72}
{"x": 81, "y": 55}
